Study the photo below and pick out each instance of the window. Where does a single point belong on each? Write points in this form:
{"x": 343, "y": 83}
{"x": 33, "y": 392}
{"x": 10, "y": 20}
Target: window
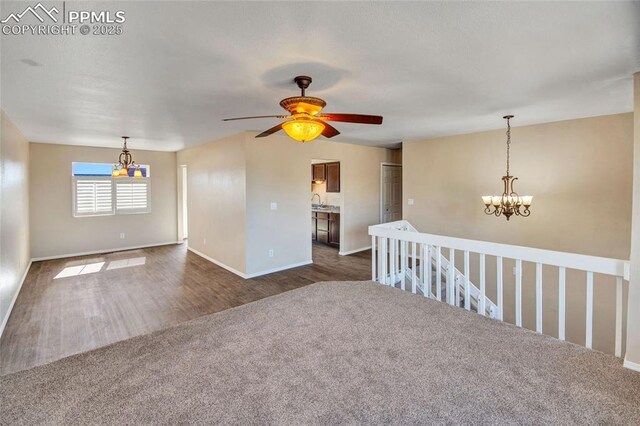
{"x": 93, "y": 197}
{"x": 97, "y": 193}
{"x": 131, "y": 197}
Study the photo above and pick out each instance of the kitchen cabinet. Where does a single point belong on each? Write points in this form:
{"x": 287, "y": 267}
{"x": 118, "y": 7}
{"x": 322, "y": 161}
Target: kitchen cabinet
{"x": 334, "y": 229}
{"x": 333, "y": 177}
{"x": 318, "y": 172}
{"x": 325, "y": 228}
{"x": 328, "y": 173}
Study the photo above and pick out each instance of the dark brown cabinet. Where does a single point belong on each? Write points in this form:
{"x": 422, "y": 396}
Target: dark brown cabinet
{"x": 334, "y": 229}
{"x": 318, "y": 172}
{"x": 325, "y": 227}
{"x": 333, "y": 177}
{"x": 327, "y": 172}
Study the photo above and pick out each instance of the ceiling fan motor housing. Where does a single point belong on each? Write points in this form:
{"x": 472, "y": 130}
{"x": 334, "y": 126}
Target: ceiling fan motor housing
{"x": 301, "y": 104}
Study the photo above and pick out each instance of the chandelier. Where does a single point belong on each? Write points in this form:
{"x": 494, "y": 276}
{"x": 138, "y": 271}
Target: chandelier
{"x": 509, "y": 203}
{"x": 125, "y": 162}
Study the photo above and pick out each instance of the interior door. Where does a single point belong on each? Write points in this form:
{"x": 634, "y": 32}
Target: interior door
{"x": 391, "y": 200}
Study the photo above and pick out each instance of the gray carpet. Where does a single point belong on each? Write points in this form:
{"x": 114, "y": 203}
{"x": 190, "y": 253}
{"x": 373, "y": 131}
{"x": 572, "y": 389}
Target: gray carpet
{"x": 330, "y": 353}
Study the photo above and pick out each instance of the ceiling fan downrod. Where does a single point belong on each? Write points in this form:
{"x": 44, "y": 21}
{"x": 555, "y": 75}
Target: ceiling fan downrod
{"x": 303, "y": 82}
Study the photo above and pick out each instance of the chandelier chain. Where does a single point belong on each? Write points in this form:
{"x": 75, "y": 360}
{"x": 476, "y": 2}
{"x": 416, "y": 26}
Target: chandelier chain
{"x": 508, "y": 143}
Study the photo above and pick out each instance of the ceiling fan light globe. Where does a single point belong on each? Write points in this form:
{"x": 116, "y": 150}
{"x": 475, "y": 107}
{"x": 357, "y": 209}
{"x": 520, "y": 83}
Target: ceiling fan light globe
{"x": 303, "y": 130}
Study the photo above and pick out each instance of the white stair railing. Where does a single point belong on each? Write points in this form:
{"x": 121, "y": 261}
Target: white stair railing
{"x": 453, "y": 287}
{"x": 398, "y": 250}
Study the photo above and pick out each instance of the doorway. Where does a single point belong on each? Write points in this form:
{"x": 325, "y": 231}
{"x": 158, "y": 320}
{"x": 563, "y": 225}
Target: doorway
{"x": 326, "y": 203}
{"x": 390, "y": 192}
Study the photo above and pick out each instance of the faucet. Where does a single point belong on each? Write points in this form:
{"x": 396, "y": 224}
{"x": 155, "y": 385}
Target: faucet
{"x": 319, "y": 199}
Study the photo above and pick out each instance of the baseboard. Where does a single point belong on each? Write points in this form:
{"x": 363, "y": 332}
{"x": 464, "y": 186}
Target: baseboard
{"x": 248, "y": 276}
{"x": 280, "y": 268}
{"x": 631, "y": 365}
{"x": 87, "y": 253}
{"x": 217, "y": 262}
{"x": 15, "y": 297}
{"x": 346, "y": 253}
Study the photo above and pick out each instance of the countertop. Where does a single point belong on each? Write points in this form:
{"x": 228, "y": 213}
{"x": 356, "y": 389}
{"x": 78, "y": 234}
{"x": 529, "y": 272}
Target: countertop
{"x": 325, "y": 209}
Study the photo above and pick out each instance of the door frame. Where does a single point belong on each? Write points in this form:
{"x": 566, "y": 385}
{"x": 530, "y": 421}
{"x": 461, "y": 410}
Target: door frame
{"x": 382, "y": 166}
{"x": 182, "y": 213}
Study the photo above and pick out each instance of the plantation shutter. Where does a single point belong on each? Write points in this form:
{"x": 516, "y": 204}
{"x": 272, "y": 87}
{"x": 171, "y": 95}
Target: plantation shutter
{"x": 93, "y": 197}
{"x": 132, "y": 196}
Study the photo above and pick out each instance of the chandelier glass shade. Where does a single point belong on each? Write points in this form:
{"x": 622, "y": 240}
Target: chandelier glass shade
{"x": 509, "y": 203}
{"x": 303, "y": 129}
{"x": 125, "y": 163}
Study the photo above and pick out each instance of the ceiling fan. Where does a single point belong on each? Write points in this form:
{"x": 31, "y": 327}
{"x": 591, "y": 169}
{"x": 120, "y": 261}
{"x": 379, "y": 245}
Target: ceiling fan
{"x": 305, "y": 122}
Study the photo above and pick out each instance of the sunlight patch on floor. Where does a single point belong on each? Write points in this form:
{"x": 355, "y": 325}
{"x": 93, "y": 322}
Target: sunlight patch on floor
{"x": 126, "y": 263}
{"x": 72, "y": 271}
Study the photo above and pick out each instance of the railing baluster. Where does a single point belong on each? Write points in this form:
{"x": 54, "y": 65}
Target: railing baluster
{"x": 618, "y": 351}
{"x": 451, "y": 277}
{"x": 374, "y": 265}
{"x": 423, "y": 269}
{"x": 500, "y": 290}
{"x": 439, "y": 273}
{"x": 482, "y": 299}
{"x": 539, "y": 297}
{"x": 403, "y": 262}
{"x": 519, "y": 292}
{"x": 428, "y": 269}
{"x": 589, "y": 336}
{"x": 383, "y": 261}
{"x": 456, "y": 284}
{"x": 562, "y": 296}
{"x": 392, "y": 263}
{"x": 414, "y": 263}
{"x": 467, "y": 282}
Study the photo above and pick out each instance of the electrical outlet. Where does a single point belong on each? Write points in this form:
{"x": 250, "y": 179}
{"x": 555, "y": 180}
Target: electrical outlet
{"x": 274, "y": 206}
{"x": 410, "y": 201}
{"x": 514, "y": 270}
{"x": 271, "y": 253}
{"x": 204, "y": 241}
{"x": 122, "y": 235}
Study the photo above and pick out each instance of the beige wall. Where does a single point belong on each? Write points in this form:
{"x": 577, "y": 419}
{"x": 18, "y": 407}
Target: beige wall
{"x": 240, "y": 176}
{"x": 633, "y": 320}
{"x": 216, "y": 200}
{"x": 580, "y": 174}
{"x": 14, "y": 214}
{"x": 395, "y": 156}
{"x": 54, "y": 230}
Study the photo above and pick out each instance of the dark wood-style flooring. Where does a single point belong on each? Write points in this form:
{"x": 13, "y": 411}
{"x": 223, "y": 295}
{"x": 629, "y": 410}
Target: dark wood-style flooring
{"x": 102, "y": 299}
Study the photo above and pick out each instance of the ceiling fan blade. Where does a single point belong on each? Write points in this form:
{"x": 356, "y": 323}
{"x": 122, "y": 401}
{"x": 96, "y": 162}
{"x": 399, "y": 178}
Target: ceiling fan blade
{"x": 329, "y": 131}
{"x": 351, "y": 118}
{"x": 257, "y": 116}
{"x": 270, "y": 131}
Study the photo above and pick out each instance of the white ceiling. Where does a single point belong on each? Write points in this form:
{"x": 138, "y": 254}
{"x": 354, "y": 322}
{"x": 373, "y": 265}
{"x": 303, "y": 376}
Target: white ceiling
{"x": 430, "y": 69}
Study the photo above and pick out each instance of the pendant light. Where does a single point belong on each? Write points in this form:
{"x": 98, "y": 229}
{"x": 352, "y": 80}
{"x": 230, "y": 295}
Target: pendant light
{"x": 125, "y": 162}
{"x": 509, "y": 203}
